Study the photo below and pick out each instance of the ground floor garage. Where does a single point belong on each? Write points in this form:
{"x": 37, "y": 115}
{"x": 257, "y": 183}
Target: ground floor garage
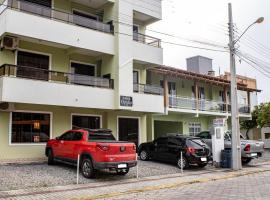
{"x": 188, "y": 124}
{"x": 25, "y": 129}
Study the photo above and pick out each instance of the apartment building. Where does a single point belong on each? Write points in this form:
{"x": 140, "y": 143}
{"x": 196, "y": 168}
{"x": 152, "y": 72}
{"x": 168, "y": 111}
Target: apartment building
{"x": 77, "y": 63}
{"x": 68, "y": 63}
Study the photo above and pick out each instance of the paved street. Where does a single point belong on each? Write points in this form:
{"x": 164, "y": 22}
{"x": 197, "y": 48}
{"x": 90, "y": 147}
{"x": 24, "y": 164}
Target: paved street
{"x": 252, "y": 182}
{"x": 249, "y": 187}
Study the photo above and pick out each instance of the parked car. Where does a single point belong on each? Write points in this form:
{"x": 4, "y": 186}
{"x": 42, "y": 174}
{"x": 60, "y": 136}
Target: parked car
{"x": 249, "y": 148}
{"x": 98, "y": 150}
{"x": 168, "y": 148}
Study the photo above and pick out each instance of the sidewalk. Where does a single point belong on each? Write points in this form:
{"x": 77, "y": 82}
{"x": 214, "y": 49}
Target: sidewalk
{"x": 117, "y": 188}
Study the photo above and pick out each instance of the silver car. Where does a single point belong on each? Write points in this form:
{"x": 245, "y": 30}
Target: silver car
{"x": 249, "y": 148}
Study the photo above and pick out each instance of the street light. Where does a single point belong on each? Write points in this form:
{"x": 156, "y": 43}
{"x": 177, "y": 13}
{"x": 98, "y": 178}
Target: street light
{"x": 258, "y": 21}
{"x": 236, "y": 145}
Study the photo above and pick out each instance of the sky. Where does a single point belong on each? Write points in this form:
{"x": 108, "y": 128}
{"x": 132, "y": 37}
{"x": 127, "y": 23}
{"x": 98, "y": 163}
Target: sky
{"x": 206, "y": 20}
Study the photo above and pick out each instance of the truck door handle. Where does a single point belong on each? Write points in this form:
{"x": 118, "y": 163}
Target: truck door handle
{"x": 62, "y": 142}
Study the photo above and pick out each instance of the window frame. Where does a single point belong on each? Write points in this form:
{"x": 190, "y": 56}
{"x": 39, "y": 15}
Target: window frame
{"x": 28, "y": 144}
{"x": 82, "y": 63}
{"x": 85, "y": 115}
{"x": 194, "y": 126}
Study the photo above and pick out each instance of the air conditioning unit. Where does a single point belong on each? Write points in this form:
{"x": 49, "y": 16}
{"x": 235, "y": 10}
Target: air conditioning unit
{"x": 9, "y": 42}
{"x": 7, "y": 107}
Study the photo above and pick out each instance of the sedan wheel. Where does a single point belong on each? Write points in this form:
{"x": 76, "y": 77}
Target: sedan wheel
{"x": 144, "y": 155}
{"x": 87, "y": 168}
{"x": 184, "y": 162}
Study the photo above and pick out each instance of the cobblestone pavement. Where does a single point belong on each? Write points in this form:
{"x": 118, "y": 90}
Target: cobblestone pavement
{"x": 255, "y": 186}
{"x": 250, "y": 182}
{"x": 36, "y": 177}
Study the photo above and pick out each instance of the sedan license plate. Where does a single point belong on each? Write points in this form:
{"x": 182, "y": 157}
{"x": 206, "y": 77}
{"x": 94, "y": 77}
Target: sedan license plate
{"x": 254, "y": 154}
{"x": 122, "y": 166}
{"x": 203, "y": 159}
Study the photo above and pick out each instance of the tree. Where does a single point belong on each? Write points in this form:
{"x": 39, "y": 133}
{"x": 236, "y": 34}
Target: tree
{"x": 263, "y": 118}
{"x": 260, "y": 118}
{"x": 252, "y": 123}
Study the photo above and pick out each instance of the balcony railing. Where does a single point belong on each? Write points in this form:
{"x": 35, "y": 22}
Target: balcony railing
{"x": 204, "y": 105}
{"x": 47, "y": 12}
{"x": 148, "y": 89}
{"x": 182, "y": 102}
{"x": 54, "y": 76}
{"x": 145, "y": 39}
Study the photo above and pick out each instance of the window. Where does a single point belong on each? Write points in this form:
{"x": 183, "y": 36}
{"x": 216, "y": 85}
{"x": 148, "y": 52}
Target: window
{"x": 91, "y": 122}
{"x": 101, "y": 136}
{"x": 135, "y": 77}
{"x": 175, "y": 141}
{"x": 77, "y": 136}
{"x": 68, "y": 136}
{"x": 30, "y": 127}
{"x": 32, "y": 65}
{"x": 267, "y": 136}
{"x": 82, "y": 69}
{"x": 194, "y": 128}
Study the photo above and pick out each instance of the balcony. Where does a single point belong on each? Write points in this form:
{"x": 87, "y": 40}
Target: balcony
{"x": 147, "y": 89}
{"x": 203, "y": 106}
{"x": 78, "y": 31}
{"x": 145, "y": 95}
{"x": 147, "y": 49}
{"x": 31, "y": 85}
{"x": 145, "y": 39}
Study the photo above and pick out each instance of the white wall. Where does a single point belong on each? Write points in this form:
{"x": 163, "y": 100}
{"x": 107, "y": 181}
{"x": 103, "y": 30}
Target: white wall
{"x": 58, "y": 94}
{"x": 147, "y": 53}
{"x": 148, "y": 102}
{"x": 32, "y": 26}
{"x": 148, "y": 7}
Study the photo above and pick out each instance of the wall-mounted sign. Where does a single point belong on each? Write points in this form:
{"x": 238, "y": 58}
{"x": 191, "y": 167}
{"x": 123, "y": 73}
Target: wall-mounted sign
{"x": 126, "y": 101}
{"x": 219, "y": 122}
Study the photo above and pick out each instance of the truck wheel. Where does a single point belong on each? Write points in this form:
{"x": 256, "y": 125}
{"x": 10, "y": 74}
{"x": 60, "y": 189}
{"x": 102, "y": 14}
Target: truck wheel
{"x": 245, "y": 161}
{"x": 185, "y": 163}
{"x": 122, "y": 171}
{"x": 144, "y": 155}
{"x": 50, "y": 157}
{"x": 87, "y": 168}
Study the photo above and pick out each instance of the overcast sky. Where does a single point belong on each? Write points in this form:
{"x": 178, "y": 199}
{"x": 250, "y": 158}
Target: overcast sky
{"x": 206, "y": 20}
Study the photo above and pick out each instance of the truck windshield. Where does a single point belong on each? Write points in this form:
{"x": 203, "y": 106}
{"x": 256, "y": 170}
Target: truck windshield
{"x": 101, "y": 136}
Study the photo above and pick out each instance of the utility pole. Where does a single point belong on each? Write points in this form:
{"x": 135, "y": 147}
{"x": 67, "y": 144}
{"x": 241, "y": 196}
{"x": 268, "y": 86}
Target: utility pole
{"x": 236, "y": 146}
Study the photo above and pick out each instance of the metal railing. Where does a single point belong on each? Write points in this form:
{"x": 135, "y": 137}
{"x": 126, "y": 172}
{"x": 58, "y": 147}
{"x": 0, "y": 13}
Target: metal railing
{"x": 242, "y": 109}
{"x": 182, "y": 102}
{"x": 47, "y": 12}
{"x": 211, "y": 106}
{"x": 204, "y": 105}
{"x": 147, "y": 89}
{"x": 145, "y": 39}
{"x": 54, "y": 76}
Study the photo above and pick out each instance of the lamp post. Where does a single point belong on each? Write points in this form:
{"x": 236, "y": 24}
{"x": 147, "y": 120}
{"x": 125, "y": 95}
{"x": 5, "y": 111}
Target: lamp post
{"x": 236, "y": 145}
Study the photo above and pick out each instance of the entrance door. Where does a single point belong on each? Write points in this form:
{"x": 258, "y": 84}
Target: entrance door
{"x": 91, "y": 122}
{"x": 32, "y": 65}
{"x": 128, "y": 130}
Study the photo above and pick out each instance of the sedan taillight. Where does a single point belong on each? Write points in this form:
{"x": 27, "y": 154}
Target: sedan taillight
{"x": 191, "y": 150}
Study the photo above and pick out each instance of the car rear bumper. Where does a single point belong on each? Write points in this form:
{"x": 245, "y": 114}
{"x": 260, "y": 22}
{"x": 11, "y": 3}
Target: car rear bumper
{"x": 252, "y": 155}
{"x": 114, "y": 165}
{"x": 198, "y": 159}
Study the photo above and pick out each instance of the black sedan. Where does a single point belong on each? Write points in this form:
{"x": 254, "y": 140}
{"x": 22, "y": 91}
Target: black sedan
{"x": 169, "y": 148}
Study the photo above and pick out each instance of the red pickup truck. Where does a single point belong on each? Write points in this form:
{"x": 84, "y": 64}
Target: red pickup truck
{"x": 97, "y": 149}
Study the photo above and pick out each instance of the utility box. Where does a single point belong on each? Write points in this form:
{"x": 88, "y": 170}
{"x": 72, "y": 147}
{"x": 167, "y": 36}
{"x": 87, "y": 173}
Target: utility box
{"x": 217, "y": 133}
